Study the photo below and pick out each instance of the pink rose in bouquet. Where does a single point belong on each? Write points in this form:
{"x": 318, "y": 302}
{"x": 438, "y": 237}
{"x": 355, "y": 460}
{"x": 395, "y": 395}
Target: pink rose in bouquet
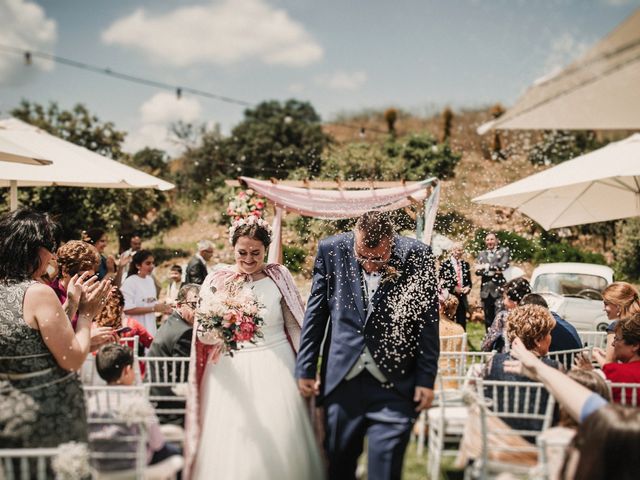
{"x": 229, "y": 317}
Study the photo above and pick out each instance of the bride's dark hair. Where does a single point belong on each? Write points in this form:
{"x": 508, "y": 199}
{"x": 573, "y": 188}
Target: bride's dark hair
{"x": 253, "y": 231}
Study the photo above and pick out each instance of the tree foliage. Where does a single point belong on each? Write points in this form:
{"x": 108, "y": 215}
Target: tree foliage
{"x": 123, "y": 211}
{"x": 627, "y": 249}
{"x": 558, "y": 146}
{"x": 276, "y": 138}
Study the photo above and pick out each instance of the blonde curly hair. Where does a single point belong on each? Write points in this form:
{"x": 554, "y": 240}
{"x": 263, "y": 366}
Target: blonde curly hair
{"x": 531, "y": 323}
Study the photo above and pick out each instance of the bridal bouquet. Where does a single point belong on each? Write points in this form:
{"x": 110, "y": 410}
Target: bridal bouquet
{"x": 230, "y": 316}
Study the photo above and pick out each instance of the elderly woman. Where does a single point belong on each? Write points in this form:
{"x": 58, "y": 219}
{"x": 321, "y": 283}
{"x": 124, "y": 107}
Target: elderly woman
{"x": 41, "y": 397}
{"x": 625, "y": 365}
{"x": 533, "y": 325}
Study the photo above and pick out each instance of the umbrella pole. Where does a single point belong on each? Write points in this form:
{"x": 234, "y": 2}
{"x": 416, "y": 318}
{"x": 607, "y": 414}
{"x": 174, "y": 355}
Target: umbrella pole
{"x": 13, "y": 195}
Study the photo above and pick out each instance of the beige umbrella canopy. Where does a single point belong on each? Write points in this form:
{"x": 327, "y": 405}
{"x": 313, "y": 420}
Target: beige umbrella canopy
{"x": 70, "y": 165}
{"x": 10, "y": 152}
{"x": 598, "y": 186}
{"x": 599, "y": 91}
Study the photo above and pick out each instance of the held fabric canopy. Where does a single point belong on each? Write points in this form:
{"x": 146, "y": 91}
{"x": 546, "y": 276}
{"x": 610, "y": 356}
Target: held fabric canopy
{"x": 340, "y": 204}
{"x": 599, "y": 91}
{"x": 598, "y": 186}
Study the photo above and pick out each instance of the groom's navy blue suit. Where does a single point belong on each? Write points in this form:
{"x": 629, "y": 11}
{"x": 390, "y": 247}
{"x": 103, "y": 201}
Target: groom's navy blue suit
{"x": 401, "y": 333}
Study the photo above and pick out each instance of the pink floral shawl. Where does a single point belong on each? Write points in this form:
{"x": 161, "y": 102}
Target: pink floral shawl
{"x": 293, "y": 313}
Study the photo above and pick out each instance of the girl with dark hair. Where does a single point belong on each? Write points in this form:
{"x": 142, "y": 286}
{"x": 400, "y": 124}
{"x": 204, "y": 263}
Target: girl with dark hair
{"x": 41, "y": 395}
{"x": 514, "y": 291}
{"x": 258, "y": 379}
{"x": 140, "y": 294}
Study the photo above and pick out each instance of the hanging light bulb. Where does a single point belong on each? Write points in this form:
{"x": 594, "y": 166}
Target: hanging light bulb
{"x": 178, "y": 93}
{"x": 27, "y": 58}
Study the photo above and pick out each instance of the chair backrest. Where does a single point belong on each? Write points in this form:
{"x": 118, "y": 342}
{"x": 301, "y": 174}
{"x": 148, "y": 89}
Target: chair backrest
{"x": 453, "y": 343}
{"x": 117, "y": 418}
{"x": 134, "y": 344}
{"x": 593, "y": 338}
{"x": 460, "y": 363}
{"x": 625, "y": 393}
{"x": 526, "y": 406}
{"x": 512, "y": 414}
{"x": 566, "y": 357}
{"x": 167, "y": 378}
{"x": 29, "y": 463}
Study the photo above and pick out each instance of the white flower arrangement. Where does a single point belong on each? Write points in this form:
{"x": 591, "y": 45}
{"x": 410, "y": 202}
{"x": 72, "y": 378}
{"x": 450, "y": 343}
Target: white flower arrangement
{"x": 72, "y": 462}
{"x": 134, "y": 409}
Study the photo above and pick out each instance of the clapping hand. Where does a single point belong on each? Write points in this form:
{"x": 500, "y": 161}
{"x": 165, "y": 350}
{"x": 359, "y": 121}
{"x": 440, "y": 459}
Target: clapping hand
{"x": 77, "y": 284}
{"x": 101, "y": 336}
{"x": 582, "y": 362}
{"x": 94, "y": 294}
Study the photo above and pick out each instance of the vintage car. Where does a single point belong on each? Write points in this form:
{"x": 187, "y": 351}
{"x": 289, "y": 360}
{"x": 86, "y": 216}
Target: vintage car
{"x": 574, "y": 291}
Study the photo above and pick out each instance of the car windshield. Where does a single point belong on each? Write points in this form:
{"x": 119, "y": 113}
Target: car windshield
{"x": 568, "y": 283}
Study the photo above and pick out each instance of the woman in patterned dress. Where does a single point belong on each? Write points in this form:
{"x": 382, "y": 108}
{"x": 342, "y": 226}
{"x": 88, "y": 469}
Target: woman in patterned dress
{"x": 41, "y": 397}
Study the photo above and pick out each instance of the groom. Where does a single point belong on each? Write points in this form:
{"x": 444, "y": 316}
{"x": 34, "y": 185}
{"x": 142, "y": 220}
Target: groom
{"x": 374, "y": 298}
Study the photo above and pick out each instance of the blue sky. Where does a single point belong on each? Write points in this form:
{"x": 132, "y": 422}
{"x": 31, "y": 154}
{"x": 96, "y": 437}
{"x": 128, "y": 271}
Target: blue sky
{"x": 342, "y": 55}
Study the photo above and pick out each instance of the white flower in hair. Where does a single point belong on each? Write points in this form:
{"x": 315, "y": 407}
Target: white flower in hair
{"x": 251, "y": 220}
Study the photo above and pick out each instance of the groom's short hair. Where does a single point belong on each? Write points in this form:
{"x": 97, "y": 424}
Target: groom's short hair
{"x": 374, "y": 227}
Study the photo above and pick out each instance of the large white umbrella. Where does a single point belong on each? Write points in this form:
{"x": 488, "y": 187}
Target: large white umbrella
{"x": 71, "y": 165}
{"x": 599, "y": 91}
{"x": 598, "y": 186}
{"x": 10, "y": 152}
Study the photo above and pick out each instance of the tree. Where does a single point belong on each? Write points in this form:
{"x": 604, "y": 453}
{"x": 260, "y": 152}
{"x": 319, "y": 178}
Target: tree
{"x": 627, "y": 249}
{"x": 558, "y": 146}
{"x": 80, "y": 208}
{"x": 274, "y": 139}
{"x": 424, "y": 157}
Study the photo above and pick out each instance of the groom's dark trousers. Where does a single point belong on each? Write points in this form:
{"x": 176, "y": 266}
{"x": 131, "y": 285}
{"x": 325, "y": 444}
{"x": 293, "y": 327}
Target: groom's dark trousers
{"x": 363, "y": 406}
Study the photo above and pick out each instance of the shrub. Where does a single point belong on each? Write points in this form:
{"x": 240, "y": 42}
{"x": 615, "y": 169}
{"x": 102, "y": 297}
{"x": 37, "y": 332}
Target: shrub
{"x": 564, "y": 252}
{"x": 627, "y": 249}
{"x": 521, "y": 249}
{"x": 294, "y": 257}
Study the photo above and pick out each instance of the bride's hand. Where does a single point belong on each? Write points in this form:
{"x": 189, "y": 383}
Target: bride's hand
{"x": 308, "y": 387}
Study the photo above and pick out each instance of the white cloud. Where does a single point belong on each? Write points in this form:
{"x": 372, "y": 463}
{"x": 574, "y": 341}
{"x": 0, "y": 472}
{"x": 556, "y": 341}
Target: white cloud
{"x": 23, "y": 24}
{"x": 219, "y": 33}
{"x": 343, "y": 80}
{"x": 156, "y": 115}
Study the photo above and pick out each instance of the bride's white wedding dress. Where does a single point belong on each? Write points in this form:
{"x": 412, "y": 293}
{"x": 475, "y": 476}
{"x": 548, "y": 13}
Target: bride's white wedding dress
{"x": 254, "y": 422}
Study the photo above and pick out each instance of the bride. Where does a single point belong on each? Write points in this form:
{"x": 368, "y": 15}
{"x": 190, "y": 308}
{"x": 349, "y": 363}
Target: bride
{"x": 245, "y": 417}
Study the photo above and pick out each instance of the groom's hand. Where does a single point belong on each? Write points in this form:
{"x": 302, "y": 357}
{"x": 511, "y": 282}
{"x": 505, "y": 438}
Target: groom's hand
{"x": 424, "y": 397}
{"x": 308, "y": 387}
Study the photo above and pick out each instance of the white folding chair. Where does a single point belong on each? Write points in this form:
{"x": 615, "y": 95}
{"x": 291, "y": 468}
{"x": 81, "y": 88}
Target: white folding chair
{"x": 625, "y": 393}
{"x": 593, "y": 338}
{"x": 118, "y": 445}
{"x": 27, "y": 463}
{"x": 134, "y": 344}
{"x": 566, "y": 357}
{"x": 527, "y": 403}
{"x": 167, "y": 378}
{"x": 453, "y": 343}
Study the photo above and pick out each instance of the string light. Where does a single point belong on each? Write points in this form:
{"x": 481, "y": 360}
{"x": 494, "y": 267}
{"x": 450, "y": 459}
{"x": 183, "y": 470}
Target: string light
{"x": 28, "y": 56}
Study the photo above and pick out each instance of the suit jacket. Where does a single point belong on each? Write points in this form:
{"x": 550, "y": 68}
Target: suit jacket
{"x": 196, "y": 271}
{"x": 492, "y": 278}
{"x": 449, "y": 278}
{"x": 401, "y": 332}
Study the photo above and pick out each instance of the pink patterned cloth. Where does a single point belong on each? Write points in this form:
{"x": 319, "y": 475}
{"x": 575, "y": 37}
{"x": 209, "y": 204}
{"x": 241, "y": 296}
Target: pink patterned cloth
{"x": 338, "y": 203}
{"x": 201, "y": 354}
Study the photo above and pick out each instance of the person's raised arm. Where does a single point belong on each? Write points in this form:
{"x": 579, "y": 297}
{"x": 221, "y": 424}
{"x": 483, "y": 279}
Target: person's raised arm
{"x": 566, "y": 391}
{"x": 313, "y": 329}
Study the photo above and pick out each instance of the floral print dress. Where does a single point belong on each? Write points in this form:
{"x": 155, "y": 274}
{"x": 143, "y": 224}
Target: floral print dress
{"x": 41, "y": 404}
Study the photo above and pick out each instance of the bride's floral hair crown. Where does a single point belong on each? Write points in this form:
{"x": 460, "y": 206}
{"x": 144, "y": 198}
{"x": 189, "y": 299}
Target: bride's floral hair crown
{"x": 250, "y": 221}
